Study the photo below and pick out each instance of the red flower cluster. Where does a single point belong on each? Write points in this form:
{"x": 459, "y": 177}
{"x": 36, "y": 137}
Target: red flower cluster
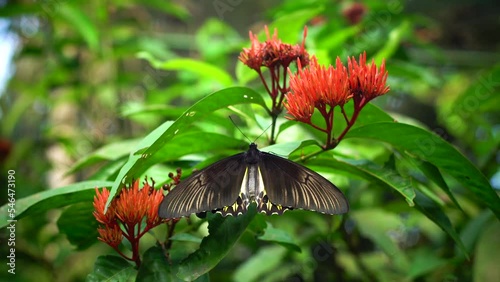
{"x": 316, "y": 87}
{"x": 366, "y": 82}
{"x": 323, "y": 88}
{"x": 276, "y": 56}
{"x": 126, "y": 216}
{"x": 273, "y": 53}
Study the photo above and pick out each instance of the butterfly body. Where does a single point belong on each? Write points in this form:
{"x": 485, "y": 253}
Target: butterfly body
{"x": 230, "y": 185}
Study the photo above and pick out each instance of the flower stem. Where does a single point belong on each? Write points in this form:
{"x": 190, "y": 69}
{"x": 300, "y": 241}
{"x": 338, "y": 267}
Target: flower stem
{"x": 344, "y": 114}
{"x": 264, "y": 82}
{"x": 350, "y": 123}
{"x": 171, "y": 228}
{"x": 134, "y": 242}
{"x": 122, "y": 254}
{"x": 317, "y": 127}
{"x": 273, "y": 129}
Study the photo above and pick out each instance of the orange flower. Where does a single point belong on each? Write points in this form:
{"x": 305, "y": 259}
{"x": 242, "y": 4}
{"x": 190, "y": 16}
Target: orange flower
{"x": 110, "y": 235}
{"x": 273, "y": 53}
{"x": 316, "y": 86}
{"x": 276, "y": 56}
{"x": 324, "y": 88}
{"x": 155, "y": 198}
{"x": 130, "y": 206}
{"x": 366, "y": 81}
{"x": 134, "y": 204}
{"x": 125, "y": 215}
{"x": 300, "y": 107}
{"x": 252, "y": 56}
{"x": 100, "y": 199}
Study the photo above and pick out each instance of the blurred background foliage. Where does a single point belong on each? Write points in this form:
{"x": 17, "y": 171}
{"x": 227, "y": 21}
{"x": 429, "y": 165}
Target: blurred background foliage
{"x": 84, "y": 81}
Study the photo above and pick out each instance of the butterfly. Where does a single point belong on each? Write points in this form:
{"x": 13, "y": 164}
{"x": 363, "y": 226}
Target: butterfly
{"x": 274, "y": 183}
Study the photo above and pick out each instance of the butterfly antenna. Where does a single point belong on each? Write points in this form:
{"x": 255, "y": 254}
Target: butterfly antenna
{"x": 263, "y": 132}
{"x": 235, "y": 125}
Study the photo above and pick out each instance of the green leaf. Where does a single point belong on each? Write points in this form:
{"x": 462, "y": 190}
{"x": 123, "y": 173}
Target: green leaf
{"x": 481, "y": 96}
{"x": 424, "y": 260}
{"x": 155, "y": 267}
{"x": 171, "y": 8}
{"x": 112, "y": 268}
{"x": 264, "y": 261}
{"x": 337, "y": 40}
{"x": 13, "y": 9}
{"x": 486, "y": 256}
{"x": 108, "y": 152}
{"x": 391, "y": 178}
{"x": 79, "y": 225}
{"x": 393, "y": 43}
{"x": 434, "y": 212}
{"x": 223, "y": 234}
{"x": 475, "y": 227}
{"x": 79, "y": 20}
{"x": 203, "y": 69}
{"x": 133, "y": 109}
{"x": 291, "y": 25}
{"x": 244, "y": 74}
{"x": 157, "y": 139}
{"x": 134, "y": 158}
{"x": 412, "y": 78}
{"x": 382, "y": 176}
{"x": 279, "y": 236}
{"x": 285, "y": 149}
{"x": 109, "y": 170}
{"x": 376, "y": 224}
{"x": 192, "y": 143}
{"x": 433, "y": 173}
{"x": 217, "y": 41}
{"x": 186, "y": 237}
{"x": 285, "y": 125}
{"x": 52, "y": 199}
{"x": 424, "y": 145}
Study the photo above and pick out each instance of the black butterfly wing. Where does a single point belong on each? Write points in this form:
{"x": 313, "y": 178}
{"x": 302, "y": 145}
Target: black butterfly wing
{"x": 215, "y": 187}
{"x": 290, "y": 185}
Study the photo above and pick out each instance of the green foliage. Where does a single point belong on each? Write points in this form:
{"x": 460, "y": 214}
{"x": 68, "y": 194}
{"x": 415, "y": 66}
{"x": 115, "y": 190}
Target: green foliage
{"x": 108, "y": 92}
{"x": 78, "y": 223}
{"x": 111, "y": 268}
{"x": 223, "y": 234}
{"x": 422, "y": 145}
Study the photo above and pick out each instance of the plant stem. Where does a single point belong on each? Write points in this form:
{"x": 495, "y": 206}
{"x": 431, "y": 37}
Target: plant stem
{"x": 122, "y": 254}
{"x": 355, "y": 114}
{"x": 273, "y": 129}
{"x": 264, "y": 82}
{"x": 171, "y": 228}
